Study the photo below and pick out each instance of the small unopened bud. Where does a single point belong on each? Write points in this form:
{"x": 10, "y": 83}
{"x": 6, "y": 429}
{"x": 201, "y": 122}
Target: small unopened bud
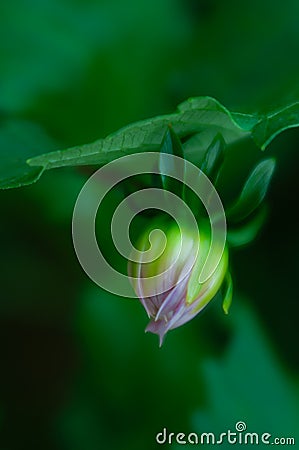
{"x": 168, "y": 286}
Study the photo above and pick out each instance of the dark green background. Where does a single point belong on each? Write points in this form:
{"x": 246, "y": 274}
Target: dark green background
{"x": 77, "y": 371}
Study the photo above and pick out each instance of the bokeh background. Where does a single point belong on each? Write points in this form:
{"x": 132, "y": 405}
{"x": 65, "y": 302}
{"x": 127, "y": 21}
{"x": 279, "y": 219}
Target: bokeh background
{"x": 77, "y": 371}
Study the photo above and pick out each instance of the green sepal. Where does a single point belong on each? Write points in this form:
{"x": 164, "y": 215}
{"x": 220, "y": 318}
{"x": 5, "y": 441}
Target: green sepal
{"x": 253, "y": 192}
{"x": 214, "y": 158}
{"x": 227, "y": 293}
{"x": 211, "y": 286}
{"x": 171, "y": 145}
{"x": 210, "y": 166}
{"x": 244, "y": 234}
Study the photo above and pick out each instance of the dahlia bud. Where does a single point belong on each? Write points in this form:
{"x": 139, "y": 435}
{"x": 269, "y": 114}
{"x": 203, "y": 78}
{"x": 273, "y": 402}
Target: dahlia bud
{"x": 168, "y": 286}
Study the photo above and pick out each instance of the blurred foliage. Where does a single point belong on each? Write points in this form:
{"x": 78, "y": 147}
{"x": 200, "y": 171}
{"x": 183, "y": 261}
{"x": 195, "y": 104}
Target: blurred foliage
{"x": 77, "y": 372}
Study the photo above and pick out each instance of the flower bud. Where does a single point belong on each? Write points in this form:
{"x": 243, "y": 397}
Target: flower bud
{"x": 168, "y": 286}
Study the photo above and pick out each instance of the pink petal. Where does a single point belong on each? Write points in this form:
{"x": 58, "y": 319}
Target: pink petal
{"x": 173, "y": 299}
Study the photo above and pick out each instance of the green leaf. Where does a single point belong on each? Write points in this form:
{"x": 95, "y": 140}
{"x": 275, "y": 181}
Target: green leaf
{"x": 273, "y": 124}
{"x": 227, "y": 293}
{"x": 245, "y": 121}
{"x": 18, "y": 140}
{"x": 196, "y": 121}
{"x": 196, "y": 115}
{"x": 253, "y": 191}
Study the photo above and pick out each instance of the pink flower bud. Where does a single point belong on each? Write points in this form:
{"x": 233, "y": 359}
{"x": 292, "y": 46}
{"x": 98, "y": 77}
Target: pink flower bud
{"x": 168, "y": 287}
